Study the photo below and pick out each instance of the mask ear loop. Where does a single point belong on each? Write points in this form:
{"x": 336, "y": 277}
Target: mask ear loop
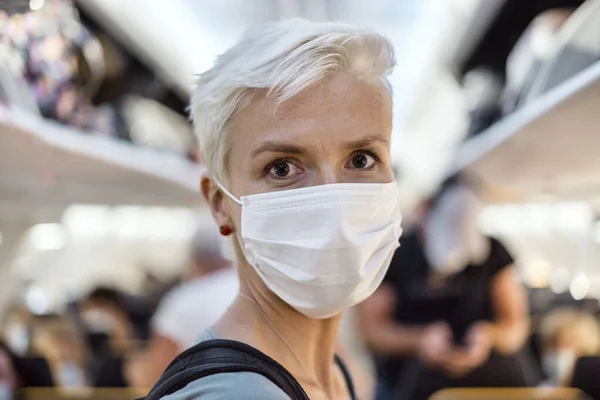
{"x": 227, "y": 192}
{"x": 232, "y": 197}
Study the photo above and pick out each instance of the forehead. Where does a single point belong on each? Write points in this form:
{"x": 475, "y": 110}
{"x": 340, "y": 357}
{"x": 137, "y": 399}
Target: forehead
{"x": 339, "y": 106}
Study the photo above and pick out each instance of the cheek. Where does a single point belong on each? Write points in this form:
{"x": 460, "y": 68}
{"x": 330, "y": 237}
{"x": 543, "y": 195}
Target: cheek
{"x": 389, "y": 173}
{"x": 381, "y": 174}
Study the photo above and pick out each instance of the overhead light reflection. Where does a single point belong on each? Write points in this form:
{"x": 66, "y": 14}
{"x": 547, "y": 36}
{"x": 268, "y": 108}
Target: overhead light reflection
{"x": 87, "y": 221}
{"x": 580, "y": 287}
{"x": 560, "y": 280}
{"x": 37, "y": 300}
{"x": 91, "y": 222}
{"x": 36, "y": 5}
{"x": 45, "y": 237}
{"x": 538, "y": 273}
{"x": 573, "y": 217}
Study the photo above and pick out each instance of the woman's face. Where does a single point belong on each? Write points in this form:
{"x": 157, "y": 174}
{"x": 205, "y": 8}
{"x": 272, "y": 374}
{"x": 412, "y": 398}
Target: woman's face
{"x": 336, "y": 132}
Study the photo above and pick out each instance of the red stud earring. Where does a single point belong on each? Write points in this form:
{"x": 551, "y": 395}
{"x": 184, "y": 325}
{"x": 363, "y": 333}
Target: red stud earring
{"x": 225, "y": 230}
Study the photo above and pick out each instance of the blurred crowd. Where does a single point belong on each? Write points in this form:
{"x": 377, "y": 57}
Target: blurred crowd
{"x": 84, "y": 346}
{"x": 110, "y": 338}
{"x": 427, "y": 327}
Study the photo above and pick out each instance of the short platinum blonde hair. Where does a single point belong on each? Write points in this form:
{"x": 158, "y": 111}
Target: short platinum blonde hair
{"x": 284, "y": 57}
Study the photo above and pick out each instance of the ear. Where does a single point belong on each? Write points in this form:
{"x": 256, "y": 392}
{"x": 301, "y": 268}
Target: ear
{"x": 215, "y": 199}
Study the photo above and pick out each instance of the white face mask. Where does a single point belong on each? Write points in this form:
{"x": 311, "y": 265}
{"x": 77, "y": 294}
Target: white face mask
{"x": 98, "y": 321}
{"x": 70, "y": 375}
{"x": 321, "y": 249}
{"x": 18, "y": 339}
{"x": 557, "y": 365}
{"x": 452, "y": 236}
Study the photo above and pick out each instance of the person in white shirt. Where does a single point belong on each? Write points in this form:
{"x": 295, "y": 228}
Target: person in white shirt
{"x": 193, "y": 306}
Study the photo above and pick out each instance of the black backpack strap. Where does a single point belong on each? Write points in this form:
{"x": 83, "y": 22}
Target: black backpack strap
{"x": 347, "y": 377}
{"x": 222, "y": 356}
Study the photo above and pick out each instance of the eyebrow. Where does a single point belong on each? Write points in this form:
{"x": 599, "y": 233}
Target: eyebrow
{"x": 358, "y": 144}
{"x": 278, "y": 147}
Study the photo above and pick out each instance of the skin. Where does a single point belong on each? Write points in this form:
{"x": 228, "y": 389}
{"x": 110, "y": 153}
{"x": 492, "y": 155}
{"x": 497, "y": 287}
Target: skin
{"x": 433, "y": 343}
{"x": 163, "y": 349}
{"x": 316, "y": 135}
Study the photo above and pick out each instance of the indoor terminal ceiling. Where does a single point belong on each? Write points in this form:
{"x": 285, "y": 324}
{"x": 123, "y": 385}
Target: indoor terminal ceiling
{"x": 427, "y": 35}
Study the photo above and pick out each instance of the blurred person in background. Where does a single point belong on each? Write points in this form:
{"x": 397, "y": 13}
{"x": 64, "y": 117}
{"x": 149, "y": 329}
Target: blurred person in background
{"x": 106, "y": 322}
{"x": 16, "y": 327}
{"x": 450, "y": 304}
{"x": 18, "y": 372}
{"x": 567, "y": 334}
{"x": 61, "y": 343}
{"x": 190, "y": 308}
{"x": 295, "y": 124}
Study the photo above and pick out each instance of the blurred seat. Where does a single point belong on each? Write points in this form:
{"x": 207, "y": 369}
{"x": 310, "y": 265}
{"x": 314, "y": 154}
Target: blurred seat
{"x": 86, "y": 394}
{"x": 516, "y": 371}
{"x": 509, "y": 394}
{"x": 586, "y": 376}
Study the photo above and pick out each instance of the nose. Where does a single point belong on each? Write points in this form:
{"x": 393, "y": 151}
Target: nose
{"x": 327, "y": 174}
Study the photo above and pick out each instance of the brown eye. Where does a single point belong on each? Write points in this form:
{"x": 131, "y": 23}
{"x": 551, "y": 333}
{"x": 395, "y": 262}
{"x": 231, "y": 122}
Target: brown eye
{"x": 281, "y": 169}
{"x": 362, "y": 161}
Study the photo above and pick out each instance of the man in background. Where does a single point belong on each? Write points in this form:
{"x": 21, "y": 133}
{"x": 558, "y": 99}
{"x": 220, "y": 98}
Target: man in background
{"x": 194, "y": 305}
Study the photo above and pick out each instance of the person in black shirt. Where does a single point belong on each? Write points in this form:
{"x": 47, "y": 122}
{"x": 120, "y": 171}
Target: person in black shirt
{"x": 451, "y": 311}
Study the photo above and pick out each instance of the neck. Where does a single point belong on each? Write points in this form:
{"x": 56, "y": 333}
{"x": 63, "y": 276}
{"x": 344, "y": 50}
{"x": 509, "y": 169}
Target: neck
{"x": 303, "y": 345}
{"x": 201, "y": 272}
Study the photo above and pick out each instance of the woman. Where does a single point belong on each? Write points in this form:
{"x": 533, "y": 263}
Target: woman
{"x": 451, "y": 311}
{"x": 295, "y": 124}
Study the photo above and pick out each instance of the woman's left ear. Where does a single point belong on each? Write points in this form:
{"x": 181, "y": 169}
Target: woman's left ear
{"x": 215, "y": 200}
